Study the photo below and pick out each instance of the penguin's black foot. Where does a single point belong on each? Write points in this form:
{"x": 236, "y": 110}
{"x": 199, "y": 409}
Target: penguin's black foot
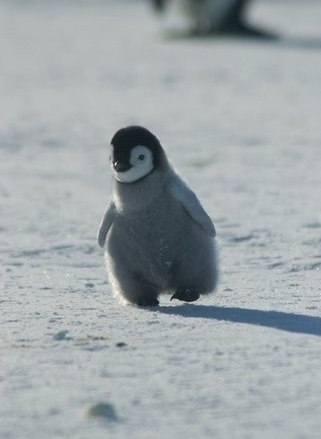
{"x": 185, "y": 295}
{"x": 147, "y": 301}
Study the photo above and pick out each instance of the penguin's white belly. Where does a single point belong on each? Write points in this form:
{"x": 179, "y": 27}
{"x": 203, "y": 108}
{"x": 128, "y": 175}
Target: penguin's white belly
{"x": 151, "y": 240}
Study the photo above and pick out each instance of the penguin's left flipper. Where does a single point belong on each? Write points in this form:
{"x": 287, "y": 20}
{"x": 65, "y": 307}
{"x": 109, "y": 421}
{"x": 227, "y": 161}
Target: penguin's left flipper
{"x": 106, "y": 224}
{"x": 179, "y": 190}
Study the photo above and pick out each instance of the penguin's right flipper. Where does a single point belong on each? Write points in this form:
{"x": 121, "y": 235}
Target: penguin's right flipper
{"x": 184, "y": 195}
{"x": 106, "y": 224}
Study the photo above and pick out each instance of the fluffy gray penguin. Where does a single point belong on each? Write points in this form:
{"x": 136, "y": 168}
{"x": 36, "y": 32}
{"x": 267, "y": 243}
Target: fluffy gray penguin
{"x": 157, "y": 236}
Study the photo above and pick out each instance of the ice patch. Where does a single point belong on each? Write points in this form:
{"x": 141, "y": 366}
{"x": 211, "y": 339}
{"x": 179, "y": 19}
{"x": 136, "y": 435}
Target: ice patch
{"x": 103, "y": 410}
{"x": 315, "y": 225}
{"x": 61, "y": 335}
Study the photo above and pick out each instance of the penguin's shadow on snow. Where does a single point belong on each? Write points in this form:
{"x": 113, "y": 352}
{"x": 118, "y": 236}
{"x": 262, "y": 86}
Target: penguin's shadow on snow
{"x": 301, "y": 42}
{"x": 298, "y": 323}
{"x": 308, "y": 43}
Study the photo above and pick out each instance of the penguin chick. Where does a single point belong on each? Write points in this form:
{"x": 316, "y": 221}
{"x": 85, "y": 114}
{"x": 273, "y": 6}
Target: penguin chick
{"x": 157, "y": 236}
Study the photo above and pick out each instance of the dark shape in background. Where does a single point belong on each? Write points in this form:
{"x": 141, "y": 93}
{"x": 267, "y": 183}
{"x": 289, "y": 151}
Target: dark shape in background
{"x": 203, "y": 17}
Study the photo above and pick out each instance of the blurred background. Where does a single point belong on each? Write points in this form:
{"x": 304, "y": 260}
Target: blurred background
{"x": 73, "y": 69}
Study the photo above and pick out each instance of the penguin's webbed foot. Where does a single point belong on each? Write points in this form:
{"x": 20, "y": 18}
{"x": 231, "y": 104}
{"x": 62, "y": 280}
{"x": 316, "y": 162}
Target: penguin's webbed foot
{"x": 147, "y": 301}
{"x": 186, "y": 295}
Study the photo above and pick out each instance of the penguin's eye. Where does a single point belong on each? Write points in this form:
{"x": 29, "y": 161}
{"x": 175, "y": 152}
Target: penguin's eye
{"x": 141, "y": 157}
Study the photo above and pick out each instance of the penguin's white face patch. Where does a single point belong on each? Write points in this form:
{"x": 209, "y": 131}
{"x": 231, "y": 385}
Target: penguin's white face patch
{"x": 141, "y": 164}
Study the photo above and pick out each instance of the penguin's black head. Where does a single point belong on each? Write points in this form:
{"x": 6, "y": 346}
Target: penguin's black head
{"x": 135, "y": 153}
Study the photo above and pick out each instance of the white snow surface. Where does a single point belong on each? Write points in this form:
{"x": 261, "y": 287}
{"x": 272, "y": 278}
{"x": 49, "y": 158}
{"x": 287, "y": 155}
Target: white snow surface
{"x": 241, "y": 122}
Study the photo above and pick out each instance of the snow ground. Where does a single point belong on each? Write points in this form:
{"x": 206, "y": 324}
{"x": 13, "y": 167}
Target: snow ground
{"x": 241, "y": 121}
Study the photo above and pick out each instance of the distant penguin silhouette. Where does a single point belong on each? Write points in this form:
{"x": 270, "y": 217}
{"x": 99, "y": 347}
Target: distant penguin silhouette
{"x": 217, "y": 17}
{"x": 157, "y": 236}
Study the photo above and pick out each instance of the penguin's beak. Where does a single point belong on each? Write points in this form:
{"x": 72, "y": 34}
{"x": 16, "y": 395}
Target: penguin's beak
{"x": 121, "y": 166}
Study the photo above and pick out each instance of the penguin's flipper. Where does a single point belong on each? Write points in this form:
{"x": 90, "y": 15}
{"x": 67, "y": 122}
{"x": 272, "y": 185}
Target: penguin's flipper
{"x": 106, "y": 224}
{"x": 192, "y": 205}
